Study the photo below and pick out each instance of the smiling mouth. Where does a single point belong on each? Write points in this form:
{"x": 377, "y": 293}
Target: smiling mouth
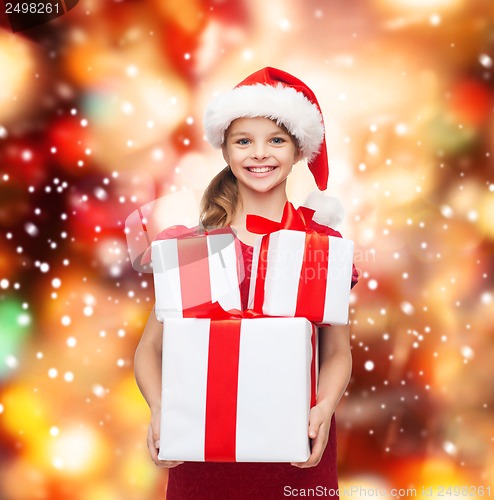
{"x": 260, "y": 170}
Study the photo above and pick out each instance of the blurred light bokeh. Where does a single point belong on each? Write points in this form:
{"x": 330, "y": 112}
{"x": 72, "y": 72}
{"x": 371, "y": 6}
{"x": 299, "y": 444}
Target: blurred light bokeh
{"x": 101, "y": 114}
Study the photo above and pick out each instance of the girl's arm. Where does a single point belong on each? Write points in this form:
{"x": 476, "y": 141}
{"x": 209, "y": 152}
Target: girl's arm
{"x": 334, "y": 374}
{"x": 147, "y": 368}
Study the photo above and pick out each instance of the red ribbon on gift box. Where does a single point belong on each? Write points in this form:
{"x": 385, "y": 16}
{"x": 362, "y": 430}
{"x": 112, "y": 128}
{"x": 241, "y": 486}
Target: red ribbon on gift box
{"x": 221, "y": 391}
{"x": 311, "y": 292}
{"x": 193, "y": 265}
{"x": 222, "y": 378}
{"x": 169, "y": 234}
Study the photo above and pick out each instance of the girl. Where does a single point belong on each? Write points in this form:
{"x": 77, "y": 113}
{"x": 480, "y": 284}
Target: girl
{"x": 264, "y": 126}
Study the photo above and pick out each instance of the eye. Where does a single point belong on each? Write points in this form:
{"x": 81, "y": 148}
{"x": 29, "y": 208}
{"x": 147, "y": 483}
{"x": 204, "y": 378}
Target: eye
{"x": 243, "y": 142}
{"x": 278, "y": 140}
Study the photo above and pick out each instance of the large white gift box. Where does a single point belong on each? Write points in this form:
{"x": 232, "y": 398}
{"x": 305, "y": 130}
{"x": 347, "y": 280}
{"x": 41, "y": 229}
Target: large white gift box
{"x": 297, "y": 273}
{"x": 195, "y": 270}
{"x": 237, "y": 390}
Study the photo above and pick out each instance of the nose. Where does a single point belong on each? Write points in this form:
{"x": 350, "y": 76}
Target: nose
{"x": 259, "y": 152}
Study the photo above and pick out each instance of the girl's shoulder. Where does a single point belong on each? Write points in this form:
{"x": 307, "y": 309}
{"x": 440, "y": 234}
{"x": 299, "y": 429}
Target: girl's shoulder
{"x": 326, "y": 230}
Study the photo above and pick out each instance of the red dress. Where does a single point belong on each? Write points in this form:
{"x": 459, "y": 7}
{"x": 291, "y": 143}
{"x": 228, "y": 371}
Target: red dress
{"x": 253, "y": 481}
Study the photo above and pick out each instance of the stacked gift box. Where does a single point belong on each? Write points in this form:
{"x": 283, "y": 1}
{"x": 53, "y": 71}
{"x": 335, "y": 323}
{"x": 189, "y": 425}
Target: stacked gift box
{"x": 238, "y": 385}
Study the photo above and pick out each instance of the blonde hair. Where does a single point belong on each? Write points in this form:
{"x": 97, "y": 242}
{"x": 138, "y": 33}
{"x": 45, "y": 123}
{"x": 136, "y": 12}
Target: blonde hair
{"x": 220, "y": 200}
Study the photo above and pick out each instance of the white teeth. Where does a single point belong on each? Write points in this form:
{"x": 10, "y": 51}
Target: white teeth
{"x": 260, "y": 170}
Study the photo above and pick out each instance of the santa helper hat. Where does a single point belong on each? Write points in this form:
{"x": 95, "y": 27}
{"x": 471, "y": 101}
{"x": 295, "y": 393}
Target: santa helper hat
{"x": 277, "y": 95}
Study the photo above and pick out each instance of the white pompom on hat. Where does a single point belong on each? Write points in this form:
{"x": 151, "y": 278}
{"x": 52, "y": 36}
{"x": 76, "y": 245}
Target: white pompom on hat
{"x": 275, "y": 94}
{"x": 329, "y": 210}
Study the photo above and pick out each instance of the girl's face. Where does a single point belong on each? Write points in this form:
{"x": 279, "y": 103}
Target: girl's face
{"x": 260, "y": 153}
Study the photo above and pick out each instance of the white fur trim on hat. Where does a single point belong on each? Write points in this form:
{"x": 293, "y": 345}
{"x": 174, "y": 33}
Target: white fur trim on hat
{"x": 281, "y": 103}
{"x": 329, "y": 210}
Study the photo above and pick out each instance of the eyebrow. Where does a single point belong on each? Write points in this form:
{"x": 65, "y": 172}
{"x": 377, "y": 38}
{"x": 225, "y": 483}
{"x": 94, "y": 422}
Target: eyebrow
{"x": 239, "y": 133}
{"x": 272, "y": 134}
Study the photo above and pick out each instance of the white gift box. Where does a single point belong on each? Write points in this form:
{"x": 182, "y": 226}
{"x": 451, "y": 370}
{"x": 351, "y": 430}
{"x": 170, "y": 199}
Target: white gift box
{"x": 270, "y": 389}
{"x": 196, "y": 270}
{"x": 286, "y": 269}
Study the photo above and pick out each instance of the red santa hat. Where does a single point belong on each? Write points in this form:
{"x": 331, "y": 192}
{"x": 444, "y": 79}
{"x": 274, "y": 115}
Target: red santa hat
{"x": 274, "y": 94}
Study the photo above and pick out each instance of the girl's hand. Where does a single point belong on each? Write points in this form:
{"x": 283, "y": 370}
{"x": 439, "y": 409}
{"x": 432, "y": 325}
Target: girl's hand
{"x": 319, "y": 424}
{"x": 153, "y": 441}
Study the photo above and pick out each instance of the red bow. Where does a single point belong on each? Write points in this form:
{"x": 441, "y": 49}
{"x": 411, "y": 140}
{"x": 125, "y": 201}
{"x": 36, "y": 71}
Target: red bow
{"x": 214, "y": 311}
{"x": 296, "y": 219}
